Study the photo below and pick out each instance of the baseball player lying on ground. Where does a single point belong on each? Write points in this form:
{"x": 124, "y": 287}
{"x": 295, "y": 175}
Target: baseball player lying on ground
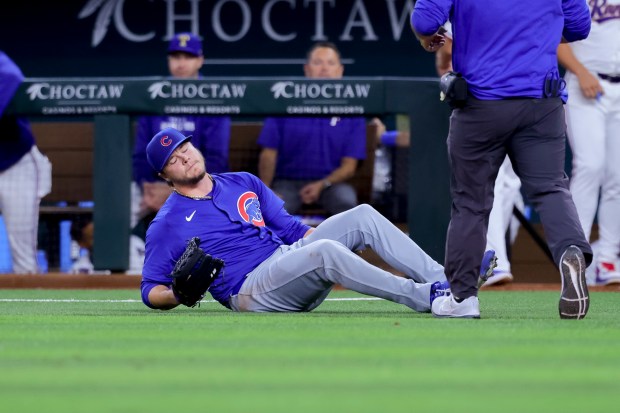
{"x": 259, "y": 257}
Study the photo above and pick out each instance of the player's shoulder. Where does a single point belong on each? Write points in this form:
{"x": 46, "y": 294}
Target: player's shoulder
{"x": 164, "y": 216}
{"x": 174, "y": 207}
{"x": 239, "y": 177}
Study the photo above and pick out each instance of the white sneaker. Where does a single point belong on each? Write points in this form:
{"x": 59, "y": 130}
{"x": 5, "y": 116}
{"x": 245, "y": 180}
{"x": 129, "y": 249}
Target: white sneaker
{"x": 606, "y": 273}
{"x": 446, "y": 306}
{"x": 499, "y": 277}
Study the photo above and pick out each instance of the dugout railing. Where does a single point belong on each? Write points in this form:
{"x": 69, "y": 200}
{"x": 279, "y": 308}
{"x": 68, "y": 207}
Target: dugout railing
{"x": 110, "y": 103}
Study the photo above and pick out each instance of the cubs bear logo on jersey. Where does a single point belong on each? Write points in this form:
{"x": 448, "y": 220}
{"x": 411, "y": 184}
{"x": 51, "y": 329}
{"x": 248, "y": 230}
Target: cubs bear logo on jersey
{"x": 249, "y": 209}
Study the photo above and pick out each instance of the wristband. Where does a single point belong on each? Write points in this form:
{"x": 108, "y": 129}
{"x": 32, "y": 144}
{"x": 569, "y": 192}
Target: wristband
{"x": 389, "y": 138}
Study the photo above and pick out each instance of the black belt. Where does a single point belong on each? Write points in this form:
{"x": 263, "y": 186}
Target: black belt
{"x": 609, "y": 78}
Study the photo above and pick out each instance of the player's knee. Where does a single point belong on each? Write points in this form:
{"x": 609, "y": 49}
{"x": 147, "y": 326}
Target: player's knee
{"x": 593, "y": 170}
{"x": 324, "y": 244}
{"x": 325, "y": 247}
{"x": 363, "y": 210}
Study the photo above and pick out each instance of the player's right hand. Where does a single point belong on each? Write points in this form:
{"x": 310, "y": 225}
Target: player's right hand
{"x": 433, "y": 43}
{"x": 590, "y": 85}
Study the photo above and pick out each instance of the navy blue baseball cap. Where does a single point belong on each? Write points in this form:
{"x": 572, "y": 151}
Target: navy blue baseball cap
{"x": 187, "y": 43}
{"x": 160, "y": 148}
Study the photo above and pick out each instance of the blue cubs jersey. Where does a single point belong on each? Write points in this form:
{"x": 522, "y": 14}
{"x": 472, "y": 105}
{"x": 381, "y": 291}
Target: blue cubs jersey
{"x": 242, "y": 222}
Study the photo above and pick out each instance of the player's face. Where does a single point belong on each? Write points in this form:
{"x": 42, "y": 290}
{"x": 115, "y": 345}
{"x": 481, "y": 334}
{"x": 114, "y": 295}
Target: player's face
{"x": 186, "y": 165}
{"x": 324, "y": 63}
{"x": 184, "y": 65}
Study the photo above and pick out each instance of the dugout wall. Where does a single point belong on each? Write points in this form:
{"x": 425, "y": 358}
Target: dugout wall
{"x": 110, "y": 103}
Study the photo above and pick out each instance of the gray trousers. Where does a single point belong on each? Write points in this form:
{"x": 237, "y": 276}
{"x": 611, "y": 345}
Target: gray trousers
{"x": 533, "y": 134}
{"x": 298, "y": 277}
{"x": 335, "y": 199}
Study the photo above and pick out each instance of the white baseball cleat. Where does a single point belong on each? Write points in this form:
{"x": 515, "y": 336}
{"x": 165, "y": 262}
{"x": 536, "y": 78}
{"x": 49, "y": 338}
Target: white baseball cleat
{"x": 447, "y": 307}
{"x": 575, "y": 300}
{"x": 606, "y": 273}
{"x": 499, "y": 277}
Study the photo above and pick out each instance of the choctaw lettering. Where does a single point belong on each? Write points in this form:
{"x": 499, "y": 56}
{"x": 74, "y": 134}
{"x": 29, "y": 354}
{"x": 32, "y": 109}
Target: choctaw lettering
{"x": 45, "y": 91}
{"x": 168, "y": 89}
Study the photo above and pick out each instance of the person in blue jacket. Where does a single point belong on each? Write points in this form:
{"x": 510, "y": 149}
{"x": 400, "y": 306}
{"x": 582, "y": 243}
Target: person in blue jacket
{"x": 308, "y": 160}
{"x": 506, "y": 52}
{"x": 211, "y": 133}
{"x": 273, "y": 262}
{"x": 25, "y": 175}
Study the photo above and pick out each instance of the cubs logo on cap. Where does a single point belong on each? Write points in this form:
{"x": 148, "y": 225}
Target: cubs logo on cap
{"x": 187, "y": 43}
{"x": 160, "y": 148}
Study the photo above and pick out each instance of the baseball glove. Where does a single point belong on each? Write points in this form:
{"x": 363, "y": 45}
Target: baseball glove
{"x": 194, "y": 273}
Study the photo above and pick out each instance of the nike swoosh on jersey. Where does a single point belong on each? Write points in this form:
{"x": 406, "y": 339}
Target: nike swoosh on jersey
{"x": 189, "y": 218}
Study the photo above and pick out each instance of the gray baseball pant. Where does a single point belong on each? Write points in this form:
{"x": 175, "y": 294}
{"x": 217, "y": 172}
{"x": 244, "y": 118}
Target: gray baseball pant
{"x": 299, "y": 277}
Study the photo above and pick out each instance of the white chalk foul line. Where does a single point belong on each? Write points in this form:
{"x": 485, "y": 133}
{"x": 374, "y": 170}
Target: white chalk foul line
{"x": 75, "y": 300}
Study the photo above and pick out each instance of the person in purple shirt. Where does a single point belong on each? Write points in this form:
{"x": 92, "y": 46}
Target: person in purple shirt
{"x": 506, "y": 52}
{"x": 273, "y": 262}
{"x": 211, "y": 133}
{"x": 25, "y": 175}
{"x": 307, "y": 160}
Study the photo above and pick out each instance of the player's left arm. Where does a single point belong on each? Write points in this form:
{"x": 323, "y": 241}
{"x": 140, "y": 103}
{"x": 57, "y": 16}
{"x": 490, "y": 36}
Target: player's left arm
{"x": 311, "y": 192}
{"x": 162, "y": 298}
{"x": 353, "y": 150}
{"x": 588, "y": 82}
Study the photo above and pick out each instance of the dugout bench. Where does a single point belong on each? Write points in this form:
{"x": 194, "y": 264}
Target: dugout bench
{"x": 69, "y": 146}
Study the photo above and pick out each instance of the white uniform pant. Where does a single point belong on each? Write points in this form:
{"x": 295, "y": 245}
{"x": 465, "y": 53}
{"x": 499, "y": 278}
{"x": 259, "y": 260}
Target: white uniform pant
{"x": 594, "y": 136}
{"x": 298, "y": 277}
{"x": 507, "y": 195}
{"x": 21, "y": 188}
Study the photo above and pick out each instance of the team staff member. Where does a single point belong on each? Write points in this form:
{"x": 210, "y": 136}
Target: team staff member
{"x": 211, "y": 133}
{"x": 507, "y": 192}
{"x": 506, "y": 52}
{"x": 25, "y": 175}
{"x": 593, "y": 120}
{"x": 308, "y": 160}
{"x": 273, "y": 262}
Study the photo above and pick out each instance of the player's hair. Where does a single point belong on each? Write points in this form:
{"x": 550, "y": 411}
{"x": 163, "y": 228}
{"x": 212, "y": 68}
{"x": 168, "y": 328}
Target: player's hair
{"x": 318, "y": 45}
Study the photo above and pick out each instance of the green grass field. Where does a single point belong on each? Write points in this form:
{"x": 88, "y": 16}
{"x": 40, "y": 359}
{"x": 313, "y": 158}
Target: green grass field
{"x": 98, "y": 355}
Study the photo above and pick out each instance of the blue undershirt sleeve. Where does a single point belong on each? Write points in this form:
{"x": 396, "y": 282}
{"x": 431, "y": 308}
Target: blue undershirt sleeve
{"x": 145, "y": 289}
